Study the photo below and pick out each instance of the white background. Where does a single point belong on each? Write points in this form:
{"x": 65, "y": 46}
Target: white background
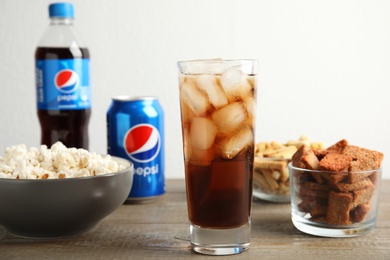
{"x": 324, "y": 66}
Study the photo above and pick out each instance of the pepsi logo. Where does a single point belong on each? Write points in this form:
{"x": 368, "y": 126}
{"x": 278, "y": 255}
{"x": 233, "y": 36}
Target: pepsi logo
{"x": 66, "y": 81}
{"x": 142, "y": 143}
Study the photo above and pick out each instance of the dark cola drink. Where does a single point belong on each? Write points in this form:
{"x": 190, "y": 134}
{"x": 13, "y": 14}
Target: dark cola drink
{"x": 62, "y": 82}
{"x": 219, "y": 195}
{"x": 217, "y": 112}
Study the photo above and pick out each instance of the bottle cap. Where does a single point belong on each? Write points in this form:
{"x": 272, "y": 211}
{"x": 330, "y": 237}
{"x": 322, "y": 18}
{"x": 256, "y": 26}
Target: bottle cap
{"x": 64, "y": 10}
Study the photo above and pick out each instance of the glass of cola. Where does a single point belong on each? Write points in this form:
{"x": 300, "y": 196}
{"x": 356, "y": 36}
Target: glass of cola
{"x": 217, "y": 100}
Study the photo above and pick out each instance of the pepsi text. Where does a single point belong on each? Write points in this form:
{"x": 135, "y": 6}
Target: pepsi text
{"x": 145, "y": 171}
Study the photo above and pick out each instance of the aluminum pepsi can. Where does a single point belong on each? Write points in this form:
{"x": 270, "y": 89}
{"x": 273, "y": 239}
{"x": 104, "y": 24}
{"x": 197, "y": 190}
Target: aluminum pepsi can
{"x": 135, "y": 131}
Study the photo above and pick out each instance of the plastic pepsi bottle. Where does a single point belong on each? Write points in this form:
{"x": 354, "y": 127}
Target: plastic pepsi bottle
{"x": 62, "y": 67}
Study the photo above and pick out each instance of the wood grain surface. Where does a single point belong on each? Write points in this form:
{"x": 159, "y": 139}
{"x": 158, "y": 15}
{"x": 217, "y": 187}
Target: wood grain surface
{"x": 160, "y": 230}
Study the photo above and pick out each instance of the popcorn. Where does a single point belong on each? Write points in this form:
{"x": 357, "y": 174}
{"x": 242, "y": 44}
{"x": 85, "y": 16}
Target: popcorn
{"x": 58, "y": 162}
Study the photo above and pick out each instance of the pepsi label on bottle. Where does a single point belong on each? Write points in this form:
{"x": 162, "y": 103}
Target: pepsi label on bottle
{"x": 135, "y": 131}
{"x": 63, "y": 84}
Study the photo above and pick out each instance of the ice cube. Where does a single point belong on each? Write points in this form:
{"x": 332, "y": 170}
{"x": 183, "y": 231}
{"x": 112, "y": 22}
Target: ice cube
{"x": 201, "y": 157}
{"x": 209, "y": 84}
{"x": 250, "y": 105}
{"x": 230, "y": 117}
{"x": 202, "y": 133}
{"x": 195, "y": 156}
{"x": 186, "y": 113}
{"x": 235, "y": 84}
{"x": 232, "y": 145}
{"x": 187, "y": 148}
{"x": 252, "y": 81}
{"x": 196, "y": 100}
{"x": 198, "y": 67}
{"x": 182, "y": 79}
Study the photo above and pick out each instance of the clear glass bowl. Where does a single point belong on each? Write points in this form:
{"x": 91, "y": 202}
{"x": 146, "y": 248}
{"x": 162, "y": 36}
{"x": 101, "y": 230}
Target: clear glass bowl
{"x": 334, "y": 204}
{"x": 271, "y": 179}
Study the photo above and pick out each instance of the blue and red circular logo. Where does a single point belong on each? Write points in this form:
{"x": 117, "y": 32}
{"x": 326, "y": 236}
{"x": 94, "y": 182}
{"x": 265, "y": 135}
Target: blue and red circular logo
{"x": 142, "y": 143}
{"x": 66, "y": 81}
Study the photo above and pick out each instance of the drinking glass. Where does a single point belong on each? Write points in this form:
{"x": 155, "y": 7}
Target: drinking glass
{"x": 217, "y": 101}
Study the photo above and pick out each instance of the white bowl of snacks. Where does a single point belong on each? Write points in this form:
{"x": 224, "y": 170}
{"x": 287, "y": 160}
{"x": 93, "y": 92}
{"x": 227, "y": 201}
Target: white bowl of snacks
{"x": 271, "y": 176}
{"x": 59, "y": 191}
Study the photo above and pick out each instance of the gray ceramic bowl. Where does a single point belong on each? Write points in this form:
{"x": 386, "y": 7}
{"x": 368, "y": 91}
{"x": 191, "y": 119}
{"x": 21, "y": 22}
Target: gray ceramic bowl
{"x": 61, "y": 207}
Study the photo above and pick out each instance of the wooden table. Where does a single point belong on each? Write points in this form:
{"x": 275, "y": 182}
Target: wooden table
{"x": 160, "y": 230}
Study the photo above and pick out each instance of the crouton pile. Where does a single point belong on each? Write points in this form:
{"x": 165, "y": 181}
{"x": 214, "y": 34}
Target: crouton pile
{"x": 341, "y": 187}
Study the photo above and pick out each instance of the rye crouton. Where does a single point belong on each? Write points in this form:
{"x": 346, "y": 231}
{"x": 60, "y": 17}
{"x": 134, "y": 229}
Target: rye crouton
{"x": 335, "y": 162}
{"x": 362, "y": 196}
{"x": 363, "y": 159}
{"x": 335, "y": 165}
{"x": 359, "y": 213}
{"x": 305, "y": 158}
{"x": 339, "y": 146}
{"x": 346, "y": 187}
{"x": 339, "y": 205}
